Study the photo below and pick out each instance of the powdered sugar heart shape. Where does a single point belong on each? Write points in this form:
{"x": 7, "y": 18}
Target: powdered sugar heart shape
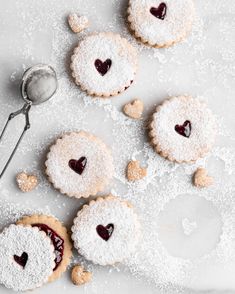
{"x": 105, "y": 232}
{"x": 160, "y": 11}
{"x": 185, "y": 129}
{"x": 103, "y": 66}
{"x": 21, "y": 260}
{"x": 78, "y": 165}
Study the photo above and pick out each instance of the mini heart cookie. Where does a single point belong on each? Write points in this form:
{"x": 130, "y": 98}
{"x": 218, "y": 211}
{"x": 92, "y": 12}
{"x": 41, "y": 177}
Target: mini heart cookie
{"x": 80, "y": 276}
{"x": 135, "y": 171}
{"x": 26, "y": 182}
{"x": 134, "y": 109}
{"x": 77, "y": 23}
{"x": 201, "y": 178}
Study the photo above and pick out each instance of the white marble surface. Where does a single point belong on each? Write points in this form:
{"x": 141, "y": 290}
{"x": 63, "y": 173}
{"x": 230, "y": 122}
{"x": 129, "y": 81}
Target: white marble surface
{"x": 33, "y": 31}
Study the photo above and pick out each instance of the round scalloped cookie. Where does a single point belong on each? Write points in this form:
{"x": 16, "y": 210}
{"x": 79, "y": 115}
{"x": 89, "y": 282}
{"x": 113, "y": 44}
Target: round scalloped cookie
{"x": 161, "y": 23}
{"x": 79, "y": 164}
{"x": 182, "y": 129}
{"x": 59, "y": 238}
{"x": 26, "y": 258}
{"x": 104, "y": 64}
{"x": 106, "y": 231}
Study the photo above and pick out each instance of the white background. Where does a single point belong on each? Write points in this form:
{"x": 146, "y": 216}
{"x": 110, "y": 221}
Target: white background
{"x": 33, "y": 31}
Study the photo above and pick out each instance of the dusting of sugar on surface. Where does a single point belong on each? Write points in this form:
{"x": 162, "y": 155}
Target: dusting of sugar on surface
{"x": 205, "y": 69}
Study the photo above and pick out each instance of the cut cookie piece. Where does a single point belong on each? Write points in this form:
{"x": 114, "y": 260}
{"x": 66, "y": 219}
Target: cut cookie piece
{"x": 182, "y": 129}
{"x": 201, "y": 179}
{"x": 106, "y": 231}
{"x": 134, "y": 109}
{"x": 79, "y": 276}
{"x": 161, "y": 23}
{"x": 77, "y": 23}
{"x": 79, "y": 164}
{"x": 59, "y": 238}
{"x": 25, "y": 182}
{"x": 26, "y": 258}
{"x": 135, "y": 171}
{"x": 104, "y": 64}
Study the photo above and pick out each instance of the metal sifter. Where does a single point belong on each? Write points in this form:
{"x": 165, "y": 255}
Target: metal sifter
{"x": 39, "y": 84}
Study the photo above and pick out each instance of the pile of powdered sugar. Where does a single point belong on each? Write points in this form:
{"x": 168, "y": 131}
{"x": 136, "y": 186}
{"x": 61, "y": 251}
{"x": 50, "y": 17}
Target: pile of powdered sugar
{"x": 205, "y": 69}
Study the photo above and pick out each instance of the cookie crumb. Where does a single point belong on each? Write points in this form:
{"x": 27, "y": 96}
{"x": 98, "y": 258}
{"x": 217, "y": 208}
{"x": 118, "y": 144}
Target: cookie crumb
{"x": 25, "y": 182}
{"x": 134, "y": 109}
{"x": 77, "y": 23}
{"x": 135, "y": 171}
{"x": 201, "y": 178}
{"x": 79, "y": 276}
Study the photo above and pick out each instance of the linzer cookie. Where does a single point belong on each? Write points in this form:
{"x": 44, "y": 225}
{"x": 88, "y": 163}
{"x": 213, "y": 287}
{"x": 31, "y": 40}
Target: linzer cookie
{"x": 106, "y": 231}
{"x": 79, "y": 164}
{"x": 26, "y": 258}
{"x": 160, "y": 23}
{"x": 182, "y": 129}
{"x": 59, "y": 238}
{"x": 104, "y": 64}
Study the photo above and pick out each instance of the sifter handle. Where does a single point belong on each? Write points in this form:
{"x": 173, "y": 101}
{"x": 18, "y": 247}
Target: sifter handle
{"x": 25, "y": 111}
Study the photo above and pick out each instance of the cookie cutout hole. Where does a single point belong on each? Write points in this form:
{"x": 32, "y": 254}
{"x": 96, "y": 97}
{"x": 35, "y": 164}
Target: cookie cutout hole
{"x": 21, "y": 260}
{"x": 160, "y": 11}
{"x": 105, "y": 232}
{"x": 103, "y": 66}
{"x": 185, "y": 129}
{"x": 79, "y": 165}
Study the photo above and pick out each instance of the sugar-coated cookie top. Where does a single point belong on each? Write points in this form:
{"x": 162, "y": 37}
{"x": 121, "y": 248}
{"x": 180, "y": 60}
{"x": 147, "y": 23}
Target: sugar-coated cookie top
{"x": 79, "y": 164}
{"x": 26, "y": 258}
{"x": 161, "y": 23}
{"x": 106, "y": 231}
{"x": 183, "y": 129}
{"x": 104, "y": 64}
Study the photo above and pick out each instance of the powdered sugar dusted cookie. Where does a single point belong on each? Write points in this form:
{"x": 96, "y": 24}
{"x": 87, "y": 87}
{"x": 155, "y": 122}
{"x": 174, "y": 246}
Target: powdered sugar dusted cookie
{"x": 59, "y": 238}
{"x": 79, "y": 164}
{"x": 77, "y": 23}
{"x": 104, "y": 64}
{"x": 106, "y": 231}
{"x": 182, "y": 129}
{"x": 161, "y": 23}
{"x": 26, "y": 258}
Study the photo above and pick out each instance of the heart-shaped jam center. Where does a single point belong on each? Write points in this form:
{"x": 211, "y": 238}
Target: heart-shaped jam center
{"x": 78, "y": 165}
{"x": 160, "y": 11}
{"x": 105, "y": 232}
{"x": 103, "y": 67}
{"x": 185, "y": 129}
{"x": 56, "y": 240}
{"x": 21, "y": 260}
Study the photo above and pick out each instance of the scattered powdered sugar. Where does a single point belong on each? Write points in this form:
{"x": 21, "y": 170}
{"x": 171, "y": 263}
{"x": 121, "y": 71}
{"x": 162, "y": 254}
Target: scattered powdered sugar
{"x": 199, "y": 66}
{"x": 188, "y": 226}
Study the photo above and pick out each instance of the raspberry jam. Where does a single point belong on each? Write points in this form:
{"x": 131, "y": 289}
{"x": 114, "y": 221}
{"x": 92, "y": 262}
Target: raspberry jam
{"x": 56, "y": 240}
{"x": 105, "y": 232}
{"x": 103, "y": 67}
{"x": 160, "y": 11}
{"x": 78, "y": 165}
{"x": 185, "y": 129}
{"x": 21, "y": 260}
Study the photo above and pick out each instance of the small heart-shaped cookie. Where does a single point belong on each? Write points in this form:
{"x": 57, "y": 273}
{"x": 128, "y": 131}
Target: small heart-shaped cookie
{"x": 134, "y": 109}
{"x": 79, "y": 276}
{"x": 201, "y": 178}
{"x": 135, "y": 171}
{"x": 77, "y": 23}
{"x": 25, "y": 182}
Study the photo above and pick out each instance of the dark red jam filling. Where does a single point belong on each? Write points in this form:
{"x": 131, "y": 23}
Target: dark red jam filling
{"x": 160, "y": 11}
{"x": 56, "y": 240}
{"x": 78, "y": 165}
{"x": 105, "y": 232}
{"x": 21, "y": 260}
{"x": 185, "y": 129}
{"x": 103, "y": 66}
